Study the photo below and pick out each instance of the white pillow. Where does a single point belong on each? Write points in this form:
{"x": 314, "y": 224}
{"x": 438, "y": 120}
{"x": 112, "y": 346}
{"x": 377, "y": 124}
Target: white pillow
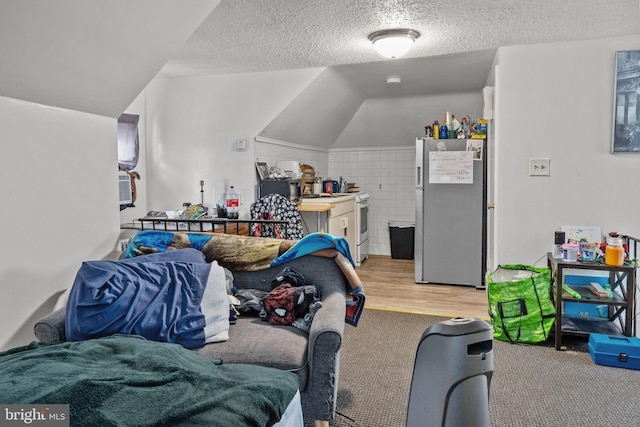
{"x": 215, "y": 306}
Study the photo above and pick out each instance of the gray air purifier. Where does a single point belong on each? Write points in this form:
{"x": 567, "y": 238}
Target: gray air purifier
{"x": 451, "y": 375}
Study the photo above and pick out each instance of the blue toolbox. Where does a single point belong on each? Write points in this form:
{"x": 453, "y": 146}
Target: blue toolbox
{"x": 613, "y": 350}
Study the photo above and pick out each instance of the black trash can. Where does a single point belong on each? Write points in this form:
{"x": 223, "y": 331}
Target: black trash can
{"x": 402, "y": 236}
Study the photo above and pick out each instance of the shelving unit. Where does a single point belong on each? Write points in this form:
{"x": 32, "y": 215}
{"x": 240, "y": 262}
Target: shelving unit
{"x": 620, "y": 307}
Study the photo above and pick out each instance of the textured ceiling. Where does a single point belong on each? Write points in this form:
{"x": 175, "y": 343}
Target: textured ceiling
{"x": 260, "y": 35}
{"x": 455, "y": 52}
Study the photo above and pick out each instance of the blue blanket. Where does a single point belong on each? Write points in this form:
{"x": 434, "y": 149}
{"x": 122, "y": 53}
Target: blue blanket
{"x": 315, "y": 242}
{"x": 156, "y": 296}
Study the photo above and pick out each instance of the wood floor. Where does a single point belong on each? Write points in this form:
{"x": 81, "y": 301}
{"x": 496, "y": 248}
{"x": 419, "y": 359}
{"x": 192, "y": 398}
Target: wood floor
{"x": 389, "y": 284}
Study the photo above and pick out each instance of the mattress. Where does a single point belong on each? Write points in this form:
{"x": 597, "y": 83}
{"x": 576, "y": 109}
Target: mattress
{"x": 292, "y": 416}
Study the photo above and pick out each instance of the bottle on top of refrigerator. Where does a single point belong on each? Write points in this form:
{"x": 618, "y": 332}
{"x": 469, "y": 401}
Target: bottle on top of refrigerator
{"x": 447, "y": 122}
{"x": 444, "y": 132}
{"x": 455, "y": 126}
{"x": 232, "y": 203}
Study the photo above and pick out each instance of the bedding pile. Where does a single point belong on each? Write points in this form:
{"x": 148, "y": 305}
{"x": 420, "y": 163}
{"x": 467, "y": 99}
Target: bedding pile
{"x": 126, "y": 380}
{"x": 174, "y": 297}
{"x": 241, "y": 253}
{"x": 236, "y": 253}
{"x": 177, "y": 292}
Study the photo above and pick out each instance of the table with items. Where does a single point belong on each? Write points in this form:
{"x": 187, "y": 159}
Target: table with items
{"x": 618, "y": 297}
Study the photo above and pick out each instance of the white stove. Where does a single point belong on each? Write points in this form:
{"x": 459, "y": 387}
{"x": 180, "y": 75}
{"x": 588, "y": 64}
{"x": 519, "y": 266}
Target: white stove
{"x": 362, "y": 227}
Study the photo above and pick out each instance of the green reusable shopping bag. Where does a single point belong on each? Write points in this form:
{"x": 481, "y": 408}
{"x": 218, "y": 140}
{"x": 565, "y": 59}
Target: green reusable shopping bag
{"x": 520, "y": 306}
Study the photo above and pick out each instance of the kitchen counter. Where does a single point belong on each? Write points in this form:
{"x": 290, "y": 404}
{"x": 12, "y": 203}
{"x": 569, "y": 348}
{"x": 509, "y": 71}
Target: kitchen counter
{"x": 334, "y": 198}
{"x": 340, "y": 220}
{"x": 317, "y": 208}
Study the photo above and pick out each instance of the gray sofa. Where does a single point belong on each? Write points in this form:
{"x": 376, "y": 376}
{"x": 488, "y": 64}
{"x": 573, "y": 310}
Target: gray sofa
{"x": 314, "y": 357}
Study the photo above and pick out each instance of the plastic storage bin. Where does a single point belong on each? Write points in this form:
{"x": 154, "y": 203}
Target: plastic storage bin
{"x": 402, "y": 236}
{"x": 618, "y": 351}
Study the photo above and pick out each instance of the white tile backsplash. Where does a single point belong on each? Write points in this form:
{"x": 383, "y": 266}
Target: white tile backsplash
{"x": 387, "y": 174}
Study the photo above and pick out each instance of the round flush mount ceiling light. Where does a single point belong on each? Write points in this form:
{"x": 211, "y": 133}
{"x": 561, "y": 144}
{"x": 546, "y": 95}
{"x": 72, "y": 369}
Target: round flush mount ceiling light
{"x": 393, "y": 43}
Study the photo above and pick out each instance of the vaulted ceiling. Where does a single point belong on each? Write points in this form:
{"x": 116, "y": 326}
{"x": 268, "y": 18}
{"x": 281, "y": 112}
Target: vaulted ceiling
{"x": 454, "y": 53}
{"x": 97, "y": 55}
{"x": 259, "y": 35}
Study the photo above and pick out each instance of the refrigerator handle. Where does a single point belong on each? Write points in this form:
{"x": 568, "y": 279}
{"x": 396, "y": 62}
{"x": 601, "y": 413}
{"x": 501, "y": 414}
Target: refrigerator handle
{"x": 419, "y": 162}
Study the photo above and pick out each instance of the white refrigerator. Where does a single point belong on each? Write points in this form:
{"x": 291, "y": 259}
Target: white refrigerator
{"x": 451, "y": 200}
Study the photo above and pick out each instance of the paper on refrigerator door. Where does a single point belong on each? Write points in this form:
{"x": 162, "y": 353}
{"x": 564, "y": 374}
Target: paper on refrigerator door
{"x": 450, "y": 167}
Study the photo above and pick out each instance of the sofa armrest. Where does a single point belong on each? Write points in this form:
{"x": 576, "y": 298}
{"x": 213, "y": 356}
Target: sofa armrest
{"x": 329, "y": 318}
{"x": 325, "y": 334}
{"x": 50, "y": 328}
{"x": 325, "y": 341}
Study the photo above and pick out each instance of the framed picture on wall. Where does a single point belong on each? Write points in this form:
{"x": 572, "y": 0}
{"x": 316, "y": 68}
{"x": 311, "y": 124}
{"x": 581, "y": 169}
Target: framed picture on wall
{"x": 626, "y": 109}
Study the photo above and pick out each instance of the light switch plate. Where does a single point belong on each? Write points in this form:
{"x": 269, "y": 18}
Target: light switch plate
{"x": 240, "y": 144}
{"x": 539, "y": 167}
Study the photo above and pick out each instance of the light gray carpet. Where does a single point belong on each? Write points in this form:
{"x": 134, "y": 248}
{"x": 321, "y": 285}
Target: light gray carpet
{"x": 532, "y": 385}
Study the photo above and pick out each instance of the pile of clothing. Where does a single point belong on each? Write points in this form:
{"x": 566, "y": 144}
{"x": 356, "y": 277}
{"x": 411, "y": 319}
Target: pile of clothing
{"x": 293, "y": 300}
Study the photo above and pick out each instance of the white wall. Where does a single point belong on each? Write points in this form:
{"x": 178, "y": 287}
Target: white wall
{"x": 59, "y": 197}
{"x": 556, "y": 101}
{"x": 272, "y": 151}
{"x": 387, "y": 175}
{"x": 191, "y": 125}
{"x": 398, "y": 121}
{"x": 377, "y": 152}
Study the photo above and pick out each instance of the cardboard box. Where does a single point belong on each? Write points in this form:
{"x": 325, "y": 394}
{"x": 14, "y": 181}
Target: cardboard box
{"x": 481, "y": 130}
{"x": 576, "y": 233}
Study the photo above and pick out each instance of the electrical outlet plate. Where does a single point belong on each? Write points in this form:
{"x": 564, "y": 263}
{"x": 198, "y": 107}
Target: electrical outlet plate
{"x": 539, "y": 167}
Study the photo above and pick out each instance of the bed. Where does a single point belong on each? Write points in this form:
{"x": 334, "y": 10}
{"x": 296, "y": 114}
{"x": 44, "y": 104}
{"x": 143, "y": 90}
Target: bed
{"x": 126, "y": 380}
